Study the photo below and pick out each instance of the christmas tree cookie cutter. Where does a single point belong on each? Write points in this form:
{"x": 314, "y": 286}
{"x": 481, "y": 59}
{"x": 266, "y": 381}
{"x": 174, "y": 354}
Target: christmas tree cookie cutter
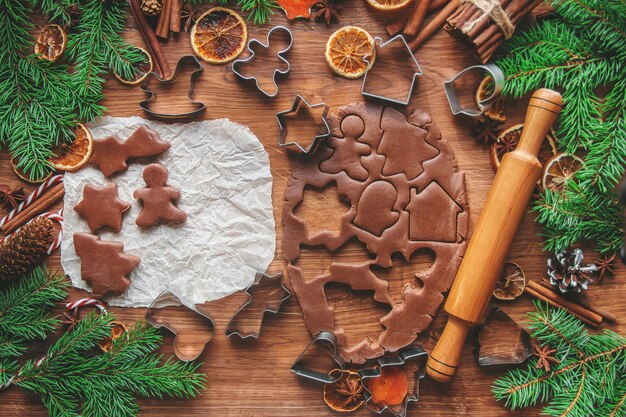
{"x": 417, "y": 71}
{"x": 199, "y": 107}
{"x": 406, "y": 356}
{"x": 271, "y": 305}
{"x": 298, "y": 103}
{"x": 167, "y": 299}
{"x": 327, "y": 343}
{"x": 255, "y": 43}
{"x": 483, "y": 105}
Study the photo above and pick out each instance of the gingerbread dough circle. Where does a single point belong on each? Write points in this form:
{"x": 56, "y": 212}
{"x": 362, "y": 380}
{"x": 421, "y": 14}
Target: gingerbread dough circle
{"x": 404, "y": 193}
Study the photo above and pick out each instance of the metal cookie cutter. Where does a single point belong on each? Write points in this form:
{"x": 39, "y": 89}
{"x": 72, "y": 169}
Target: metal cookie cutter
{"x": 513, "y": 356}
{"x": 199, "y": 106}
{"x": 483, "y": 105}
{"x": 280, "y": 54}
{"x": 282, "y": 126}
{"x": 167, "y": 299}
{"x": 272, "y": 305}
{"x": 418, "y": 72}
{"x": 414, "y": 354}
{"x": 327, "y": 342}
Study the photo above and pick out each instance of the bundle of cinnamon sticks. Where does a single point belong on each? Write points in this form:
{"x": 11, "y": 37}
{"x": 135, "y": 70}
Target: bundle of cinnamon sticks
{"x": 161, "y": 67}
{"x": 169, "y": 19}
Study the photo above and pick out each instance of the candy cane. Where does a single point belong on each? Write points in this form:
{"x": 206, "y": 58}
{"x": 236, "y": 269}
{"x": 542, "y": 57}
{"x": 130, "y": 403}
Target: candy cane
{"x": 31, "y": 198}
{"x": 84, "y": 302}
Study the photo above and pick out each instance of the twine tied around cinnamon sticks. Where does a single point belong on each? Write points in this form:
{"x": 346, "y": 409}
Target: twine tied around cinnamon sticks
{"x": 491, "y": 9}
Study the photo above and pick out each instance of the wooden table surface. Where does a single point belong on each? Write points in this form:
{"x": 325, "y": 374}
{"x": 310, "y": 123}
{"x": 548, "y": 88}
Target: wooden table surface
{"x": 252, "y": 377}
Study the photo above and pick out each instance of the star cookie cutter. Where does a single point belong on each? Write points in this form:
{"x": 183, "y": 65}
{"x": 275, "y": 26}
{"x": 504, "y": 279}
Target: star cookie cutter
{"x": 483, "y": 105}
{"x": 260, "y": 280}
{"x": 414, "y": 354}
{"x": 256, "y": 43}
{"x": 167, "y": 299}
{"x": 200, "y": 107}
{"x": 295, "y": 108}
{"x": 327, "y": 342}
{"x": 418, "y": 72}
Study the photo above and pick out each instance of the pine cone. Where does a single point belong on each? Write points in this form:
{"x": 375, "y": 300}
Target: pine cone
{"x": 151, "y": 7}
{"x": 25, "y": 248}
{"x": 566, "y": 271}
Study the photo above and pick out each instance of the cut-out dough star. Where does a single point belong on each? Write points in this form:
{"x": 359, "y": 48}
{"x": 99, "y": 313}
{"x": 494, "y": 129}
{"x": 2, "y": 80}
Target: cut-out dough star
{"x": 101, "y": 207}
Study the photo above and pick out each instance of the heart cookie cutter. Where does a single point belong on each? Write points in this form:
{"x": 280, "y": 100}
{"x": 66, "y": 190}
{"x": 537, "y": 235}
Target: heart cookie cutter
{"x": 455, "y": 105}
{"x": 327, "y": 342}
{"x": 253, "y": 43}
{"x": 295, "y": 108}
{"x": 199, "y": 106}
{"x": 413, "y": 354}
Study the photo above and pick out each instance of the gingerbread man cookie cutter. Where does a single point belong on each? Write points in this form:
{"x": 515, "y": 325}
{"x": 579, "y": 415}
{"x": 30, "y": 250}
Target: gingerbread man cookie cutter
{"x": 254, "y": 43}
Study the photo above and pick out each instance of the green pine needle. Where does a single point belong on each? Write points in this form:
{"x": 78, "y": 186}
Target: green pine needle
{"x": 581, "y": 53}
{"x": 260, "y": 11}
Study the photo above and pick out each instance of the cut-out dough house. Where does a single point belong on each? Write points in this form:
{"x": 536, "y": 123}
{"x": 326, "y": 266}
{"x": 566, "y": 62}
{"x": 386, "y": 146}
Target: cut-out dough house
{"x": 432, "y": 215}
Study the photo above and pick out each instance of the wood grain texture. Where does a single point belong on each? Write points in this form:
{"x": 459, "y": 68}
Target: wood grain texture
{"x": 252, "y": 378}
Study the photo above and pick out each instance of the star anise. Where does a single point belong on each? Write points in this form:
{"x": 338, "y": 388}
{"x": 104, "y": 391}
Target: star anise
{"x": 352, "y": 389}
{"x": 544, "y": 356}
{"x": 70, "y": 319}
{"x": 346, "y": 394}
{"x": 189, "y": 15}
{"x": 486, "y": 131}
{"x": 11, "y": 197}
{"x": 605, "y": 266}
{"x": 327, "y": 10}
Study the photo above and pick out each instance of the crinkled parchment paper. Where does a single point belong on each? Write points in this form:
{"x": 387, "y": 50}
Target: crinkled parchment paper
{"x": 224, "y": 175}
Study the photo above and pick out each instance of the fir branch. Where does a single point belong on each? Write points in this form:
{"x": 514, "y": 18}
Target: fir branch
{"x": 260, "y": 11}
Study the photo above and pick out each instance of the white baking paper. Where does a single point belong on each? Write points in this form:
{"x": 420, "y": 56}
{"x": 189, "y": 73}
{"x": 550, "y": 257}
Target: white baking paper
{"x": 224, "y": 175}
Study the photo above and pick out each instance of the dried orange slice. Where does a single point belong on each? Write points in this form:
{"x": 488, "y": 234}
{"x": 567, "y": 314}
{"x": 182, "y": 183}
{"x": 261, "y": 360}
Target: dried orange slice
{"x": 559, "y": 169}
{"x": 346, "y": 50}
{"x": 143, "y": 68}
{"x": 118, "y": 329}
{"x": 346, "y": 394}
{"x": 511, "y": 283}
{"x": 50, "y": 43}
{"x": 390, "y": 388}
{"x": 219, "y": 35}
{"x": 22, "y": 175}
{"x": 71, "y": 156}
{"x": 508, "y": 139}
{"x": 389, "y": 5}
{"x": 484, "y": 90}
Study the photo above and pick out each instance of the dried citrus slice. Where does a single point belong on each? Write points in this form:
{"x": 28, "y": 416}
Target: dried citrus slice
{"x": 346, "y": 394}
{"x": 511, "y": 283}
{"x": 346, "y": 50}
{"x": 71, "y": 156}
{"x": 390, "y": 388}
{"x": 559, "y": 169}
{"x": 484, "y": 90}
{"x": 389, "y": 5}
{"x": 22, "y": 175}
{"x": 219, "y": 35}
{"x": 50, "y": 42}
{"x": 118, "y": 329}
{"x": 507, "y": 141}
{"x": 143, "y": 68}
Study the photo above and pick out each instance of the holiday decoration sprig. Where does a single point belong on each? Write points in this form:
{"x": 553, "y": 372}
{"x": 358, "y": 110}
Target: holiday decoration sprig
{"x": 581, "y": 52}
{"x": 75, "y": 377}
{"x": 588, "y": 377}
{"x": 259, "y": 10}
{"x": 41, "y": 101}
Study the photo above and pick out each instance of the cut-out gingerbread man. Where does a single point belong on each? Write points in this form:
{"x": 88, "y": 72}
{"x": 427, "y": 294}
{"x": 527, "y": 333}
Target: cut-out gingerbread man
{"x": 158, "y": 199}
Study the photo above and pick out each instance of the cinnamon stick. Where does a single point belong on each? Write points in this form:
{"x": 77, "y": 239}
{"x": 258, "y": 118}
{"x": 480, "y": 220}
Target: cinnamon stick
{"x": 435, "y": 24}
{"x": 606, "y": 316}
{"x": 177, "y": 9}
{"x": 163, "y": 25}
{"x": 161, "y": 67}
{"x": 549, "y": 295}
{"x": 44, "y": 201}
{"x": 396, "y": 26}
{"x": 417, "y": 18}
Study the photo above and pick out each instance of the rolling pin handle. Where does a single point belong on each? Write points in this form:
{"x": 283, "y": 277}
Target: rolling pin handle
{"x": 444, "y": 359}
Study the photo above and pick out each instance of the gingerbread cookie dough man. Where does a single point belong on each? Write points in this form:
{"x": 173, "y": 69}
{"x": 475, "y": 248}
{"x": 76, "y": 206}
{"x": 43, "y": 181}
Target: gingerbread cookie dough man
{"x": 158, "y": 199}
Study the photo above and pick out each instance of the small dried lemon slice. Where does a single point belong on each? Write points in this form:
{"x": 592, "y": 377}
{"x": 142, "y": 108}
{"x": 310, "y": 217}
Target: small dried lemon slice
{"x": 219, "y": 35}
{"x": 508, "y": 139}
{"x": 50, "y": 43}
{"x": 511, "y": 283}
{"x": 347, "y": 49}
{"x": 346, "y": 394}
{"x": 389, "y": 5}
{"x": 143, "y": 68}
{"x": 559, "y": 169}
{"x": 71, "y": 156}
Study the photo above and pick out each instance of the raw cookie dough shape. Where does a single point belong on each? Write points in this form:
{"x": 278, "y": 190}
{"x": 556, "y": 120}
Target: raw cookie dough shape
{"x": 158, "y": 199}
{"x": 104, "y": 265}
{"x": 376, "y": 155}
{"x": 101, "y": 207}
{"x": 111, "y": 154}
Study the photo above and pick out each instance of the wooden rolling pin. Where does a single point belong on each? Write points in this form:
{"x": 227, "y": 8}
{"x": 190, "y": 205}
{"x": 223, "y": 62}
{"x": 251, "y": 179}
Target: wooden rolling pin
{"x": 496, "y": 228}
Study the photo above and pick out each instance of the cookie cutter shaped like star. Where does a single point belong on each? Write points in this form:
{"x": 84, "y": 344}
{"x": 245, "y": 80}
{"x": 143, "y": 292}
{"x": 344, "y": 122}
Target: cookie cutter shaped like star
{"x": 254, "y": 43}
{"x": 413, "y": 354}
{"x": 417, "y": 71}
{"x": 295, "y": 108}
{"x": 199, "y": 107}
